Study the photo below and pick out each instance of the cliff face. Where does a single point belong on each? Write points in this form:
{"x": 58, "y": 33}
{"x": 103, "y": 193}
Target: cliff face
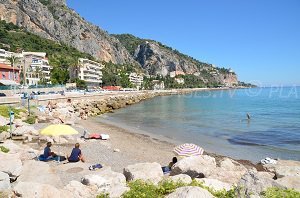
{"x": 158, "y": 59}
{"x": 54, "y": 20}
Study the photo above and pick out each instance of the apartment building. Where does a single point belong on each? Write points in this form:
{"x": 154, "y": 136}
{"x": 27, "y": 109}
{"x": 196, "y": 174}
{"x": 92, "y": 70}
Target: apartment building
{"x": 90, "y": 72}
{"x": 9, "y": 75}
{"x": 36, "y": 67}
{"x": 136, "y": 79}
{"x": 176, "y": 73}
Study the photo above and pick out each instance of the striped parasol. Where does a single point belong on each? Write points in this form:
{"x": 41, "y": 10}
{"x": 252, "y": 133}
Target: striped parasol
{"x": 187, "y": 150}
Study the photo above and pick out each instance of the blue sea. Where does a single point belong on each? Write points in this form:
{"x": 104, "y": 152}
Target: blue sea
{"x": 217, "y": 121}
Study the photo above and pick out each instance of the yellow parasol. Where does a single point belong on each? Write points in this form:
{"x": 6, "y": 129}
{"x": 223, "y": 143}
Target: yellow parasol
{"x": 58, "y": 129}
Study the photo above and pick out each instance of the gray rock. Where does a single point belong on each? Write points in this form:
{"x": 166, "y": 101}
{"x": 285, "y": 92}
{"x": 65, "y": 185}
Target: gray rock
{"x": 25, "y": 130}
{"x": 4, "y": 135}
{"x": 254, "y": 183}
{"x": 78, "y": 190}
{"x": 290, "y": 182}
{"x": 39, "y": 172}
{"x": 4, "y": 181}
{"x": 150, "y": 172}
{"x": 214, "y": 184}
{"x": 186, "y": 179}
{"x": 190, "y": 192}
{"x": 284, "y": 168}
{"x": 195, "y": 166}
{"x": 34, "y": 189}
{"x": 107, "y": 181}
{"x": 10, "y": 164}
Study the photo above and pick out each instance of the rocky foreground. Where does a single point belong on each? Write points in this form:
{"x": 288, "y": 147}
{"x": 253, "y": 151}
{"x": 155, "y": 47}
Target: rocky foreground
{"x": 21, "y": 175}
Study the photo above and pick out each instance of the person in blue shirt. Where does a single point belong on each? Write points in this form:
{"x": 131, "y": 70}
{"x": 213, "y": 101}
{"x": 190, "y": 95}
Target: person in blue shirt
{"x": 48, "y": 154}
{"x": 76, "y": 154}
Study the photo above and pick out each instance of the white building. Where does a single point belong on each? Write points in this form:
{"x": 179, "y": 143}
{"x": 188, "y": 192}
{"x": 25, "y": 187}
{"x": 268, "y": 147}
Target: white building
{"x": 136, "y": 79}
{"x": 179, "y": 80}
{"x": 90, "y": 72}
{"x": 36, "y": 67}
{"x": 158, "y": 85}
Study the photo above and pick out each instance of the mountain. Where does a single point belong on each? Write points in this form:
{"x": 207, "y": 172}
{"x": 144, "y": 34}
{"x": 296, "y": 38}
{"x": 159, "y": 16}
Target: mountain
{"x": 52, "y": 19}
{"x": 159, "y": 59}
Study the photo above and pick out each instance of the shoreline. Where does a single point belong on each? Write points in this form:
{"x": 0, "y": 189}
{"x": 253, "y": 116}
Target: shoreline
{"x": 154, "y": 148}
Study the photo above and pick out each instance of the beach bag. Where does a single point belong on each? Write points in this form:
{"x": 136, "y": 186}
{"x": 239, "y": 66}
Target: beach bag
{"x": 95, "y": 167}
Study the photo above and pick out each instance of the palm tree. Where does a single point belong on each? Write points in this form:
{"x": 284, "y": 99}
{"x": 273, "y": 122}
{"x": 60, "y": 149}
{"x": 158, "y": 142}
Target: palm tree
{"x": 13, "y": 60}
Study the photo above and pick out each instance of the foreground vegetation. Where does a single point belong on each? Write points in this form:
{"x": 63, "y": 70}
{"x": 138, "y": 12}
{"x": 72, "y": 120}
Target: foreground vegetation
{"x": 141, "y": 189}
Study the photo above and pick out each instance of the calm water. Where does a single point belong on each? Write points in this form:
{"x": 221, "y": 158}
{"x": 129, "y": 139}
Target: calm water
{"x": 216, "y": 120}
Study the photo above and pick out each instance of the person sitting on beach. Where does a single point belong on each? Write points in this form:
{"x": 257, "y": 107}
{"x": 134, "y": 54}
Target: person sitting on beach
{"x": 174, "y": 161}
{"x": 76, "y": 154}
{"x": 48, "y": 154}
{"x": 167, "y": 169}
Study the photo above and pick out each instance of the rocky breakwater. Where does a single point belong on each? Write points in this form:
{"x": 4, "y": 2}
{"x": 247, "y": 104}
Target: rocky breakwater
{"x": 71, "y": 111}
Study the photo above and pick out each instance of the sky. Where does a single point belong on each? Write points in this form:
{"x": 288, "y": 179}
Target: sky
{"x": 258, "y": 39}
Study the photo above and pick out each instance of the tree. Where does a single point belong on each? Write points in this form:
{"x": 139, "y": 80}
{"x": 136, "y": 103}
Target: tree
{"x": 13, "y": 60}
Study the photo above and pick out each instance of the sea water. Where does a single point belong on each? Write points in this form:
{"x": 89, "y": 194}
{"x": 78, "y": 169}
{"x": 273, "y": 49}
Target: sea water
{"x": 217, "y": 121}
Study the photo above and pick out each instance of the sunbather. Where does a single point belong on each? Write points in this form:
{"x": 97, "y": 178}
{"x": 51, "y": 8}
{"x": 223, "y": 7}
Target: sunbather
{"x": 76, "y": 154}
{"x": 48, "y": 154}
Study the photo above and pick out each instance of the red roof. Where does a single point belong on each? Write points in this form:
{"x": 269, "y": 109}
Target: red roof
{"x": 5, "y": 66}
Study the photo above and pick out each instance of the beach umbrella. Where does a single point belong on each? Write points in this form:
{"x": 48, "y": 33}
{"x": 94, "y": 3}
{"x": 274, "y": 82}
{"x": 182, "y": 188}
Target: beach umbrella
{"x": 188, "y": 149}
{"x": 58, "y": 130}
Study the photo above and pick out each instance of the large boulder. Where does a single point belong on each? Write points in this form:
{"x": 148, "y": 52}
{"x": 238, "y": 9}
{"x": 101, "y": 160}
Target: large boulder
{"x": 4, "y": 135}
{"x": 214, "y": 184}
{"x": 228, "y": 171}
{"x": 25, "y": 130}
{"x": 78, "y": 190}
{"x": 34, "y": 189}
{"x": 150, "y": 172}
{"x": 4, "y": 181}
{"x": 284, "y": 168}
{"x": 254, "y": 183}
{"x": 190, "y": 192}
{"x": 290, "y": 182}
{"x": 195, "y": 166}
{"x": 10, "y": 164}
{"x": 107, "y": 181}
{"x": 39, "y": 172}
{"x": 182, "y": 178}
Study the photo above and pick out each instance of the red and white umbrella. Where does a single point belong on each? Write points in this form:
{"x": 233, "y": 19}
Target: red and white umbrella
{"x": 187, "y": 150}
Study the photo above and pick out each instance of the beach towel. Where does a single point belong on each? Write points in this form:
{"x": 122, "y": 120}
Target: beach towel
{"x": 166, "y": 169}
{"x": 95, "y": 167}
{"x": 268, "y": 160}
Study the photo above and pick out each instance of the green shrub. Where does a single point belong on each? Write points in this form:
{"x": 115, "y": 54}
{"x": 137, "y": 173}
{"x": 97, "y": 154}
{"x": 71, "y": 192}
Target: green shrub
{"x": 31, "y": 119}
{"x": 4, "y": 149}
{"x": 279, "y": 193}
{"x": 4, "y": 111}
{"x": 3, "y": 128}
{"x": 143, "y": 189}
{"x": 103, "y": 195}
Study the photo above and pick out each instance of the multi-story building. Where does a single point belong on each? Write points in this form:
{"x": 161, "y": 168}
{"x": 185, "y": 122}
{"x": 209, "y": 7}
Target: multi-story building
{"x": 90, "y": 72}
{"x": 35, "y": 67}
{"x": 136, "y": 79}
{"x": 176, "y": 73}
{"x": 179, "y": 80}
{"x": 9, "y": 75}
